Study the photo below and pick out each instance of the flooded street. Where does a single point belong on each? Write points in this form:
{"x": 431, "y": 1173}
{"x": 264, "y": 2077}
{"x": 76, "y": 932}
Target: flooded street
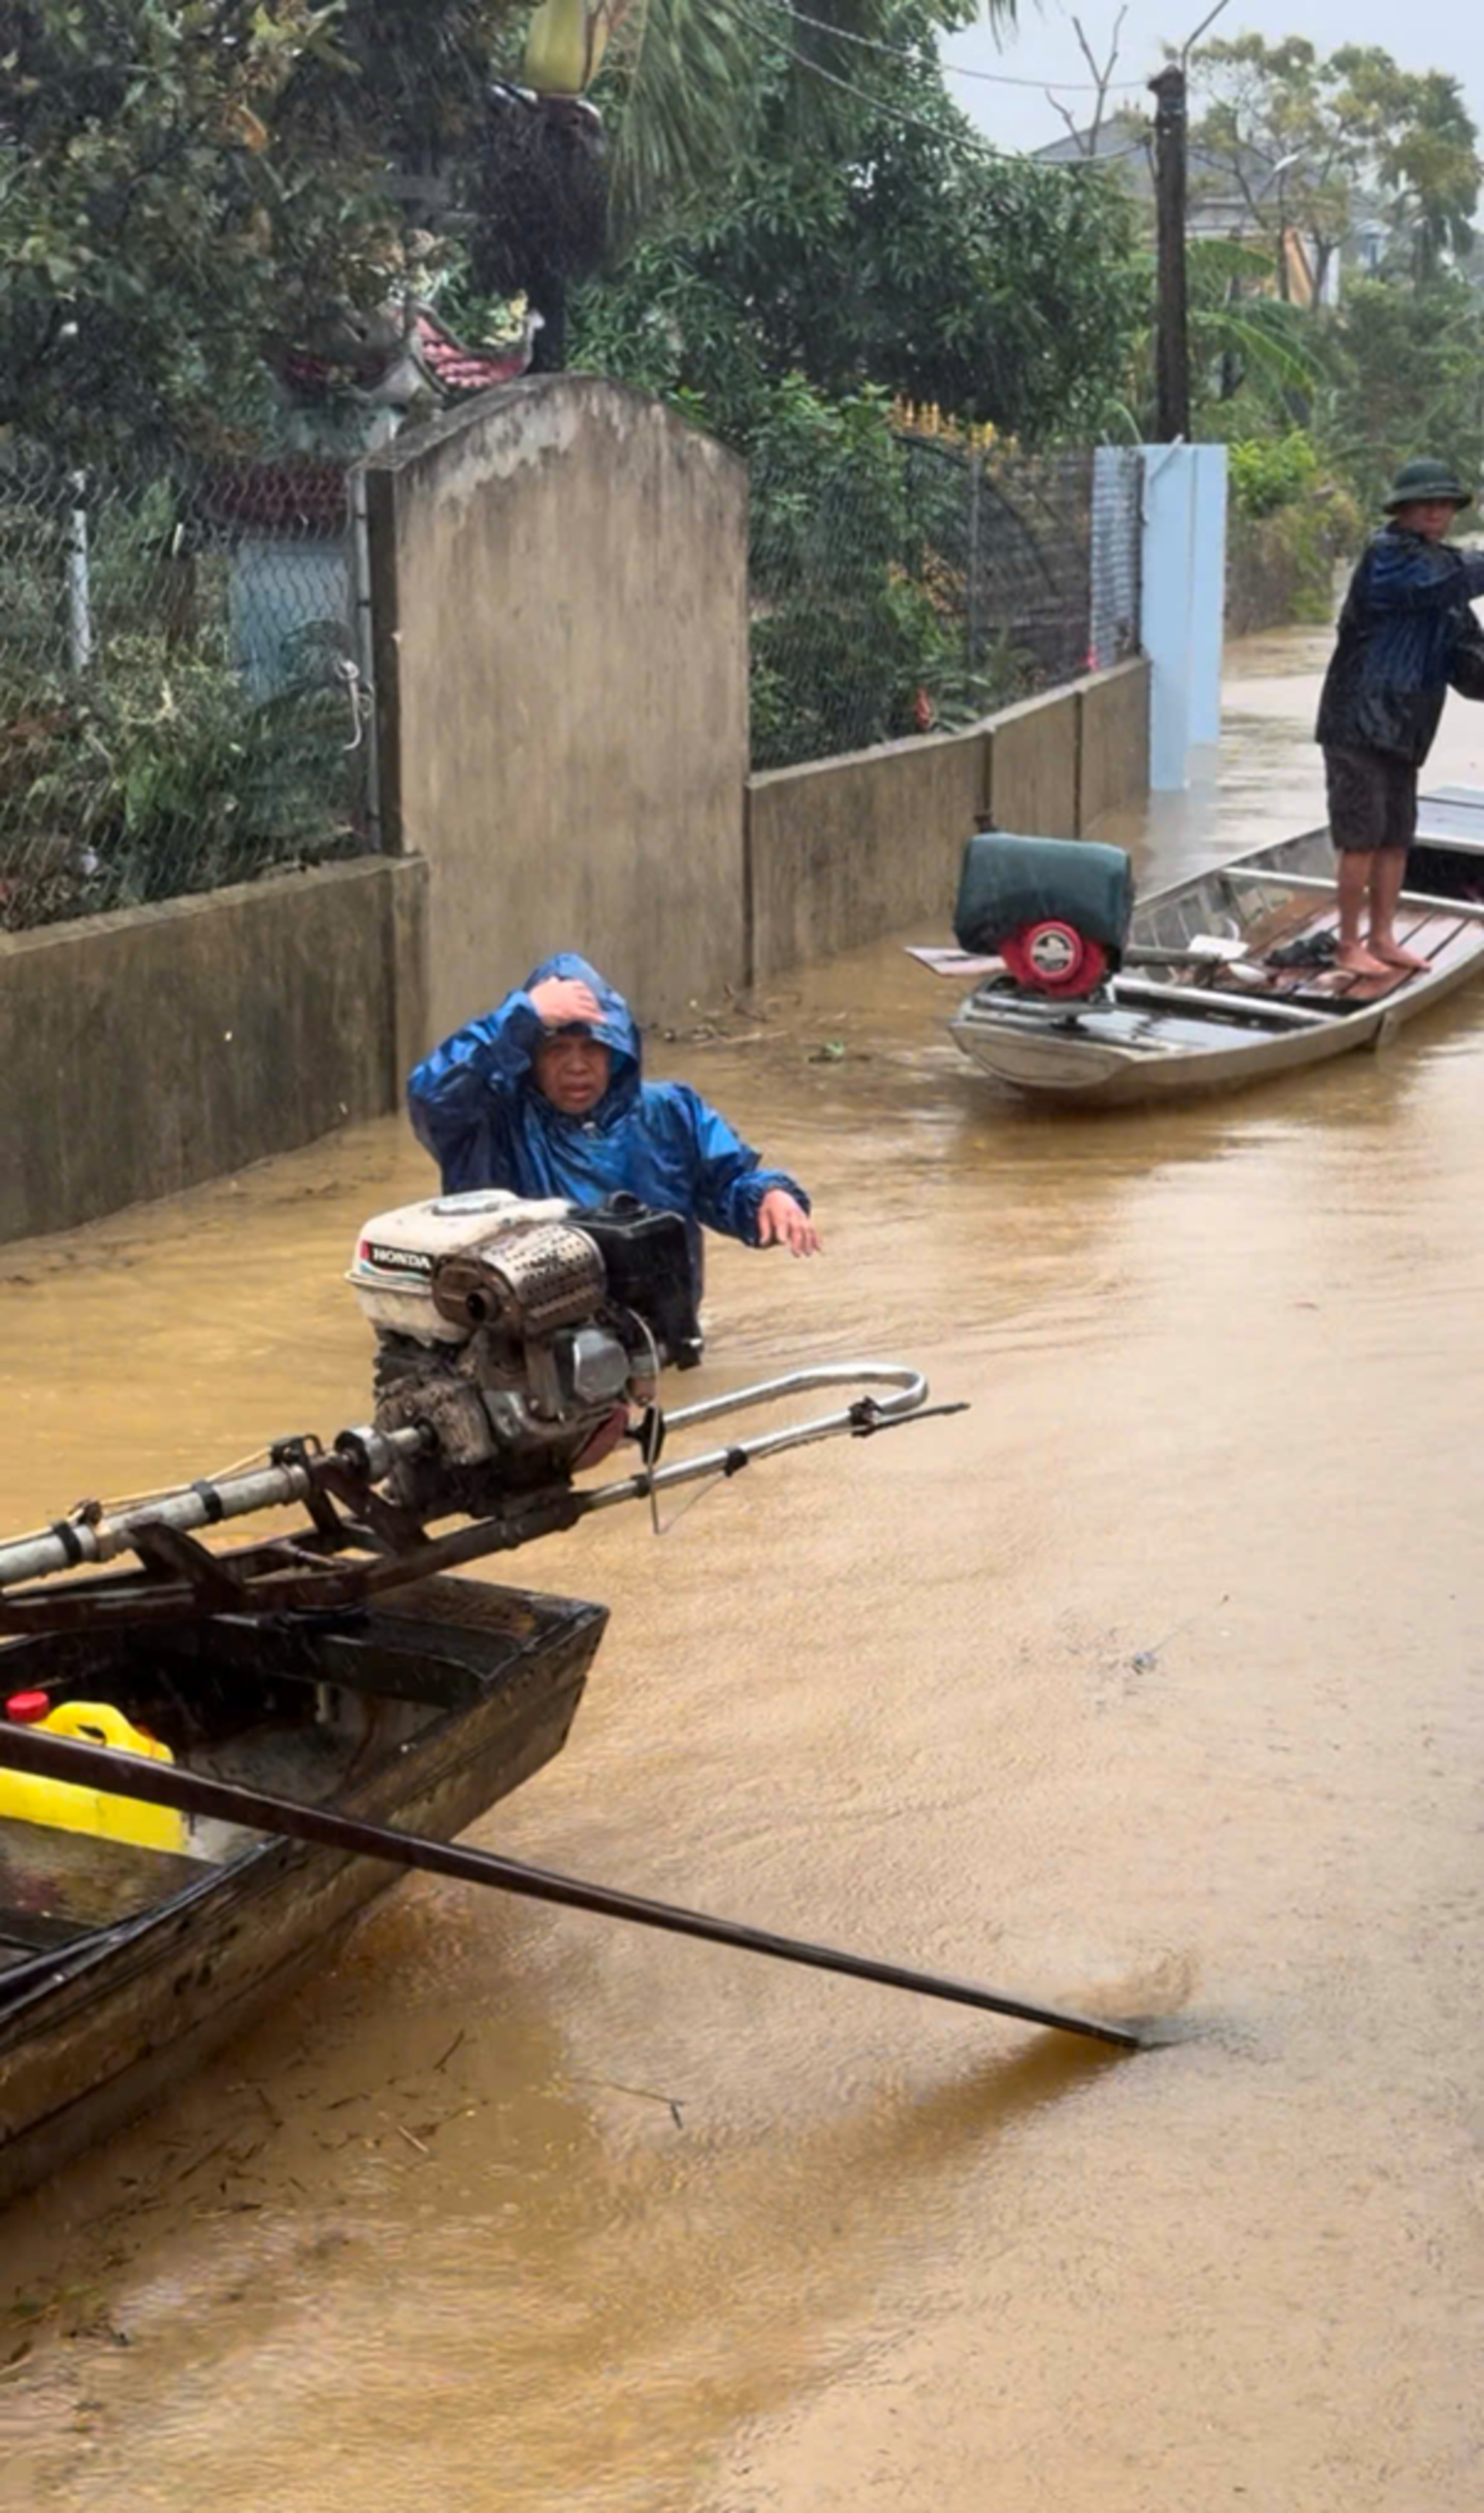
{"x": 1153, "y": 1681}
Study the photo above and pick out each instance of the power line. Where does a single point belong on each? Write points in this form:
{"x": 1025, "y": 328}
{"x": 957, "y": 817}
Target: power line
{"x": 971, "y": 142}
{"x": 992, "y": 78}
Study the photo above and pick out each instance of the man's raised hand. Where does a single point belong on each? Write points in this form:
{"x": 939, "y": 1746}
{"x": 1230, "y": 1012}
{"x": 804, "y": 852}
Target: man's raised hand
{"x": 562, "y": 1000}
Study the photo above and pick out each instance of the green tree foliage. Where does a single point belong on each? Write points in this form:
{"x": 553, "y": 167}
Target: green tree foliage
{"x": 1290, "y": 526}
{"x": 404, "y": 83}
{"x": 1300, "y": 142}
{"x": 183, "y": 182}
{"x": 683, "y": 94}
{"x": 688, "y": 88}
{"x": 1427, "y": 160}
{"x": 866, "y": 237}
{"x": 159, "y": 218}
{"x": 158, "y": 772}
{"x": 866, "y": 244}
{"x": 858, "y": 605}
{"x": 1270, "y": 472}
{"x": 677, "y": 94}
{"x": 1409, "y": 379}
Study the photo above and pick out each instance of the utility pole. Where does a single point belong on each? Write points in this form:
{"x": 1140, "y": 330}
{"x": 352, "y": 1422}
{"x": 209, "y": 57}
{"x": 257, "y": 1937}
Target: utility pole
{"x": 1172, "y": 357}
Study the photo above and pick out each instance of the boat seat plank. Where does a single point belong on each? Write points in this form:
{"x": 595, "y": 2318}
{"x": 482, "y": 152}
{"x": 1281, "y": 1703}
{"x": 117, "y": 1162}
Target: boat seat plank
{"x": 1431, "y": 933}
{"x": 1439, "y": 935}
{"x": 74, "y": 1882}
{"x": 1283, "y": 922}
{"x": 452, "y": 1675}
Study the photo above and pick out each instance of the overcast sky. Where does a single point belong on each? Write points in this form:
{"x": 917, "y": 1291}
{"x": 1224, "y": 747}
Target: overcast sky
{"x": 1424, "y": 35}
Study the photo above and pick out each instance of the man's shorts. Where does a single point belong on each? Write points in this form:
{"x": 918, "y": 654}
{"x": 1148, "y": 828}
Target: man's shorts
{"x": 1373, "y": 800}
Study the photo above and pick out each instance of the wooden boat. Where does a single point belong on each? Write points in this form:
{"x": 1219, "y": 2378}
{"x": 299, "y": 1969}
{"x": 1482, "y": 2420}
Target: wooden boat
{"x": 1176, "y": 1019}
{"x": 121, "y": 1966}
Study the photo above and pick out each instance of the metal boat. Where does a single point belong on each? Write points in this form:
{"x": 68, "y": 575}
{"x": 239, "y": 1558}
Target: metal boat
{"x": 1209, "y": 990}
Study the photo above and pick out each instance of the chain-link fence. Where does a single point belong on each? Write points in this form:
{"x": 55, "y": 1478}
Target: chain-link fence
{"x": 922, "y": 584}
{"x": 183, "y": 699}
{"x": 184, "y": 694}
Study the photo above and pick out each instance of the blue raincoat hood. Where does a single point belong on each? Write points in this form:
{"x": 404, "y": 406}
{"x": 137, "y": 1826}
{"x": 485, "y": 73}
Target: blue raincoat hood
{"x": 475, "y": 1105}
{"x": 617, "y": 1031}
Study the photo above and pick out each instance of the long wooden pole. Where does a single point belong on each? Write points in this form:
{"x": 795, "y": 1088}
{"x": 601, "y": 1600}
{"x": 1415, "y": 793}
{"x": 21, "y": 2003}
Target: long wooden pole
{"x": 1171, "y": 354}
{"x": 131, "y": 1776}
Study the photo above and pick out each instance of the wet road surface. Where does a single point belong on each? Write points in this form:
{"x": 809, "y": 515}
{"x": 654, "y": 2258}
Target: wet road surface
{"x": 1154, "y": 1681}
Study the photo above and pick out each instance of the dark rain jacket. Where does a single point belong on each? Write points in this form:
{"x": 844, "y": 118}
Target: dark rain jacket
{"x": 475, "y": 1107}
{"x": 1407, "y": 635}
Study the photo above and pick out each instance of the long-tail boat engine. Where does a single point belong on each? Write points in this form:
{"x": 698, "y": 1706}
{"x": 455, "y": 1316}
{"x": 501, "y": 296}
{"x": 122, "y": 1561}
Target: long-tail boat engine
{"x": 520, "y": 1337}
{"x": 517, "y": 1344}
{"x": 1056, "y": 911}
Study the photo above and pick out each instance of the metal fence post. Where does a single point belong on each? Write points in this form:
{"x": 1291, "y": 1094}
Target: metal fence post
{"x": 973, "y": 603}
{"x": 365, "y": 651}
{"x": 79, "y": 601}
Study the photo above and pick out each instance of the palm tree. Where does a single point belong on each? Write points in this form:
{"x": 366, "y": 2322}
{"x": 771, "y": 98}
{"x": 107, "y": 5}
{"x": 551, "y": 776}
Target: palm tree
{"x": 680, "y": 78}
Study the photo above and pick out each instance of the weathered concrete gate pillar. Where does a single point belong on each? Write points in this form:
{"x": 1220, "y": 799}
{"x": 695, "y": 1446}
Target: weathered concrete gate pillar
{"x": 559, "y": 582}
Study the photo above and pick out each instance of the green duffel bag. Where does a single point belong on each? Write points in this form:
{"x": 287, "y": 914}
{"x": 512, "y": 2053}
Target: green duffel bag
{"x": 1010, "y": 883}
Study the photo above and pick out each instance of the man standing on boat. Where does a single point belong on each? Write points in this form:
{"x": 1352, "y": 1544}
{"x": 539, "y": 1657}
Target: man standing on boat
{"x": 546, "y": 1095}
{"x": 1406, "y": 635}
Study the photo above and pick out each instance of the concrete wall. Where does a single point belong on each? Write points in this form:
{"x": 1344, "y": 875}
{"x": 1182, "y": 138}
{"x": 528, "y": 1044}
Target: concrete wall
{"x": 845, "y": 848}
{"x": 1181, "y": 572}
{"x": 842, "y": 850}
{"x": 1112, "y": 742}
{"x": 559, "y": 573}
{"x": 144, "y": 1051}
{"x": 1033, "y": 766}
{"x": 559, "y": 576}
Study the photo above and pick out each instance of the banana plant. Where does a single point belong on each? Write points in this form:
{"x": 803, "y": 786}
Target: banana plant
{"x": 1242, "y": 336}
{"x": 565, "y": 43}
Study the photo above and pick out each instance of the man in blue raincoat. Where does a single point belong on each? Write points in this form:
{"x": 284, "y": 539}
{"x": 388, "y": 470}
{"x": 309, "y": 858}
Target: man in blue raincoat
{"x": 1407, "y": 635}
{"x": 546, "y": 1095}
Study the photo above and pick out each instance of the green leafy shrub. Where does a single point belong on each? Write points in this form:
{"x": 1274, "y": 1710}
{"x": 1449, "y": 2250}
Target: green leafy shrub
{"x": 1270, "y": 472}
{"x": 858, "y": 609}
{"x": 1289, "y": 528}
{"x": 156, "y": 772}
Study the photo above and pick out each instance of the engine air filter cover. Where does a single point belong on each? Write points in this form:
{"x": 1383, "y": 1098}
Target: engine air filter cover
{"x": 391, "y": 1271}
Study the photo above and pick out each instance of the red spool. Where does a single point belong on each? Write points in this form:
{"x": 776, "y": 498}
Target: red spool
{"x": 1052, "y": 958}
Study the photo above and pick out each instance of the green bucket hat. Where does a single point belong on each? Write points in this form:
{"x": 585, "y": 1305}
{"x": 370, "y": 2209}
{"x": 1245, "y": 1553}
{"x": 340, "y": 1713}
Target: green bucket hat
{"x": 1423, "y": 482}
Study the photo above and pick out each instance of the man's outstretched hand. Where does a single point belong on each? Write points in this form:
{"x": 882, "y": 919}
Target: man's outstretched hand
{"x": 562, "y": 1000}
{"x": 782, "y": 1222}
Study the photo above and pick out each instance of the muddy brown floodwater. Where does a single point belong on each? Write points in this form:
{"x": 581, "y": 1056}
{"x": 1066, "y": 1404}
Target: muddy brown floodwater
{"x": 1154, "y": 1680}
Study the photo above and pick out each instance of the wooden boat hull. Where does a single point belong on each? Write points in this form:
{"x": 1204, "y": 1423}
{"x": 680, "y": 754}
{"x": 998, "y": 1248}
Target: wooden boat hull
{"x": 1144, "y": 1046}
{"x": 489, "y": 1680}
